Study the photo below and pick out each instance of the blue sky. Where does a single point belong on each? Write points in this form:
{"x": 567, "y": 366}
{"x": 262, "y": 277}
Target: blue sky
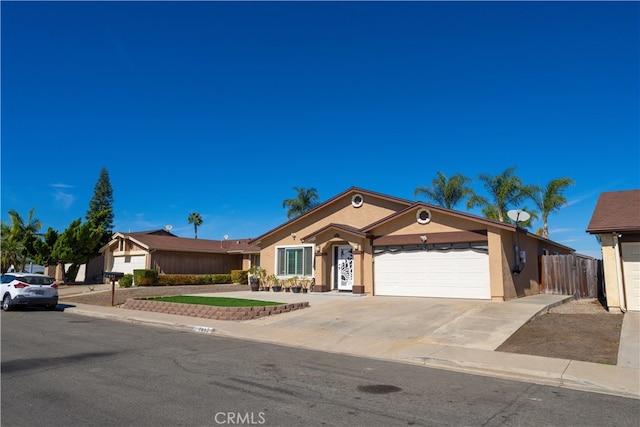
{"x": 222, "y": 108}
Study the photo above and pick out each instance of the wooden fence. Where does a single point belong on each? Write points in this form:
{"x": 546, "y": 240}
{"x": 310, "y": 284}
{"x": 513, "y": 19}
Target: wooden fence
{"x": 571, "y": 274}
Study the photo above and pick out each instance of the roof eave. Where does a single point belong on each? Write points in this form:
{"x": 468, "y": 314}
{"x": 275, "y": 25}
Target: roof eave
{"x": 258, "y": 239}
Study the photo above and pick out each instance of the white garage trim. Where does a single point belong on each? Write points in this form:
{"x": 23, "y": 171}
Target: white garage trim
{"x": 126, "y": 264}
{"x": 452, "y": 273}
{"x": 631, "y": 268}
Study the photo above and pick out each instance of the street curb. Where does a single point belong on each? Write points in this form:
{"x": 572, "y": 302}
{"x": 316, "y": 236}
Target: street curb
{"x": 465, "y": 365}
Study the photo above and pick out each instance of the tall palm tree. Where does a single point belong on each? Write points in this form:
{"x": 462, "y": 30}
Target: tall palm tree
{"x": 446, "y": 192}
{"x": 505, "y": 190}
{"x": 550, "y": 199}
{"x": 196, "y": 219}
{"x": 305, "y": 200}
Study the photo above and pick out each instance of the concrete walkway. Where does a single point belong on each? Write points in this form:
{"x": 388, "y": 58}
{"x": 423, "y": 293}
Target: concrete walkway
{"x": 459, "y": 335}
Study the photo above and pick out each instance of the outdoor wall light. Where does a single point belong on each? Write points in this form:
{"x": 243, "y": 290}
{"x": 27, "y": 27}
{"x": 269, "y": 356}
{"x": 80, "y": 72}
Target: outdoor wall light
{"x": 293, "y": 236}
{"x": 423, "y": 238}
{"x": 356, "y": 247}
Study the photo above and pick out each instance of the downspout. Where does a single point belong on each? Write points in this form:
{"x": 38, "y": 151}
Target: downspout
{"x": 621, "y": 295}
{"x": 149, "y": 260}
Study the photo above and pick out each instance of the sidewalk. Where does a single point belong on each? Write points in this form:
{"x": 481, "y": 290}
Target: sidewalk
{"x": 458, "y": 335}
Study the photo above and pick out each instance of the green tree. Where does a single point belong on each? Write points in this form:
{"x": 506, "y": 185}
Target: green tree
{"x": 196, "y": 220}
{"x": 101, "y": 206}
{"x": 19, "y": 239}
{"x": 491, "y": 213}
{"x": 505, "y": 190}
{"x": 44, "y": 247}
{"x": 550, "y": 199}
{"x": 446, "y": 192}
{"x": 78, "y": 244}
{"x": 305, "y": 200}
{"x": 10, "y": 249}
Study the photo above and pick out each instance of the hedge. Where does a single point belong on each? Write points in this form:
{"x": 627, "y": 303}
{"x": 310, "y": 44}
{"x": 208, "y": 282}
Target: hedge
{"x": 239, "y": 276}
{"x": 193, "y": 279}
{"x": 145, "y": 277}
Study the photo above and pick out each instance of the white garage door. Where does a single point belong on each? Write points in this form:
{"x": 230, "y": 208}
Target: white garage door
{"x": 459, "y": 273}
{"x": 631, "y": 266}
{"x": 126, "y": 264}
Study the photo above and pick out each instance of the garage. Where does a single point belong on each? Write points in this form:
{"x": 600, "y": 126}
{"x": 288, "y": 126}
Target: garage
{"x": 631, "y": 267}
{"x": 126, "y": 264}
{"x": 454, "y": 271}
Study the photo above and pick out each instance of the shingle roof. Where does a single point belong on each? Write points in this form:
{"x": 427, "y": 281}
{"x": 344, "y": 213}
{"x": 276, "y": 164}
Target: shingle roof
{"x": 169, "y": 242}
{"x": 344, "y": 227}
{"x": 616, "y": 211}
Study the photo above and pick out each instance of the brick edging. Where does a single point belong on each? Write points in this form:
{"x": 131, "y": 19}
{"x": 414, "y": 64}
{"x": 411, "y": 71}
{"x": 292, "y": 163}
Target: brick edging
{"x": 211, "y": 312}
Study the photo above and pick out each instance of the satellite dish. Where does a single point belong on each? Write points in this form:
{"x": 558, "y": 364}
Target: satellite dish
{"x": 226, "y": 236}
{"x": 518, "y": 215}
{"x": 168, "y": 227}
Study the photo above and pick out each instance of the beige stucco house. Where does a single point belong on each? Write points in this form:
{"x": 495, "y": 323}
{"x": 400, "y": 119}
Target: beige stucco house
{"x": 616, "y": 219}
{"x": 365, "y": 242}
{"x": 169, "y": 254}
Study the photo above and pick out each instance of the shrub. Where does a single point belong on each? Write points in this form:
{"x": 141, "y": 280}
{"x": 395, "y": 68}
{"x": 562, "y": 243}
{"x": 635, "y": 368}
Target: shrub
{"x": 193, "y": 279}
{"x": 145, "y": 277}
{"x": 222, "y": 279}
{"x": 126, "y": 281}
{"x": 239, "y": 276}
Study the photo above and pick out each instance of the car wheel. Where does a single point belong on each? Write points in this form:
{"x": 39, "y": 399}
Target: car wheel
{"x": 6, "y": 302}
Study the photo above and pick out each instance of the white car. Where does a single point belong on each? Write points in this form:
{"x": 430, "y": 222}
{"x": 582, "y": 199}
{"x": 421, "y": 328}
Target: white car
{"x": 28, "y": 289}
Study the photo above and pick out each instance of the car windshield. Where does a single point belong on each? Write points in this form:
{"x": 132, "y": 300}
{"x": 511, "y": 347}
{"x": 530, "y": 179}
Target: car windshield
{"x": 36, "y": 280}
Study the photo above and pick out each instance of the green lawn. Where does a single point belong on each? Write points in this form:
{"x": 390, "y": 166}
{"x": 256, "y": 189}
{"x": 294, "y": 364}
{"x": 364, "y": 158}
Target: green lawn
{"x": 217, "y": 301}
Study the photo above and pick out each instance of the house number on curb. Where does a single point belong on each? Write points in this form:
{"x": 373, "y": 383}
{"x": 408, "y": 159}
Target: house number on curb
{"x": 203, "y": 329}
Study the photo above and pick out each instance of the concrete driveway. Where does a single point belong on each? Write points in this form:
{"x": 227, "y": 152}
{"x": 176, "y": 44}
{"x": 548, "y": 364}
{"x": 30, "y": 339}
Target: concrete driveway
{"x": 388, "y": 326}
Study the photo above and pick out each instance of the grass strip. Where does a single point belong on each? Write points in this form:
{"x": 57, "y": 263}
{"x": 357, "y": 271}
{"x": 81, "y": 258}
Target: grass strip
{"x": 217, "y": 301}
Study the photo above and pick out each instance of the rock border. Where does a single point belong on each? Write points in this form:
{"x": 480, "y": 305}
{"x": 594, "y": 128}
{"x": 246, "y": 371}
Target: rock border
{"x": 209, "y": 311}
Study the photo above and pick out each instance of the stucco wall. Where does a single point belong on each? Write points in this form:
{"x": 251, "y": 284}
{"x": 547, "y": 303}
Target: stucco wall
{"x": 609, "y": 265}
{"x": 439, "y": 223}
{"x": 527, "y": 282}
{"x": 340, "y": 211}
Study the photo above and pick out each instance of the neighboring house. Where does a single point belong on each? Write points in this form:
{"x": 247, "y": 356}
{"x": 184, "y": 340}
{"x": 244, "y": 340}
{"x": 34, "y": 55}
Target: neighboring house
{"x": 365, "y": 242}
{"x": 170, "y": 254}
{"x": 616, "y": 219}
{"x": 88, "y": 273}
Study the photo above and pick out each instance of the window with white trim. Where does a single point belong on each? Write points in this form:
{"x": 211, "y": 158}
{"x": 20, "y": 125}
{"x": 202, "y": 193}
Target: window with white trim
{"x": 294, "y": 261}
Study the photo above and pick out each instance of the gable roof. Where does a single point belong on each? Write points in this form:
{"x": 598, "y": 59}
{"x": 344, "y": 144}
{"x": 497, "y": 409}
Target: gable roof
{"x": 162, "y": 240}
{"x": 418, "y": 205}
{"x": 352, "y": 190}
{"x": 616, "y": 211}
{"x": 337, "y": 227}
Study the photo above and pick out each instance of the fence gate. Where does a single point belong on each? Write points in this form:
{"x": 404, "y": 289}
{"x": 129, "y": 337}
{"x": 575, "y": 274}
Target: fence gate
{"x": 571, "y": 274}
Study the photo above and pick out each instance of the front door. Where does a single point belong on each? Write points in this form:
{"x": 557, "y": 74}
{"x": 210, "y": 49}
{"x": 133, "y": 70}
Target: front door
{"x": 344, "y": 268}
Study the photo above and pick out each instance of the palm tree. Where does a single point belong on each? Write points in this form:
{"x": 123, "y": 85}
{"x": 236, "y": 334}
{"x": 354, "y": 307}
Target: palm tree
{"x": 10, "y": 249}
{"x": 505, "y": 190}
{"x": 306, "y": 200}
{"x": 550, "y": 199}
{"x": 18, "y": 239}
{"x": 446, "y": 192}
{"x": 196, "y": 220}
{"x": 491, "y": 213}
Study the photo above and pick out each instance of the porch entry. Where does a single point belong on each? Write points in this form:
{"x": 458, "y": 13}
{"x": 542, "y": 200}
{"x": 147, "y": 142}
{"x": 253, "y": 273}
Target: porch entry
{"x": 343, "y": 267}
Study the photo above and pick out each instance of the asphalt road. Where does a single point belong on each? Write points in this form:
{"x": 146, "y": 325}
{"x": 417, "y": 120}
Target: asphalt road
{"x": 67, "y": 370}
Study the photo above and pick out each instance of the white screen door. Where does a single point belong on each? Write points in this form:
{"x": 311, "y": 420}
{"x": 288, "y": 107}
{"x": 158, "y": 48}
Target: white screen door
{"x": 344, "y": 267}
